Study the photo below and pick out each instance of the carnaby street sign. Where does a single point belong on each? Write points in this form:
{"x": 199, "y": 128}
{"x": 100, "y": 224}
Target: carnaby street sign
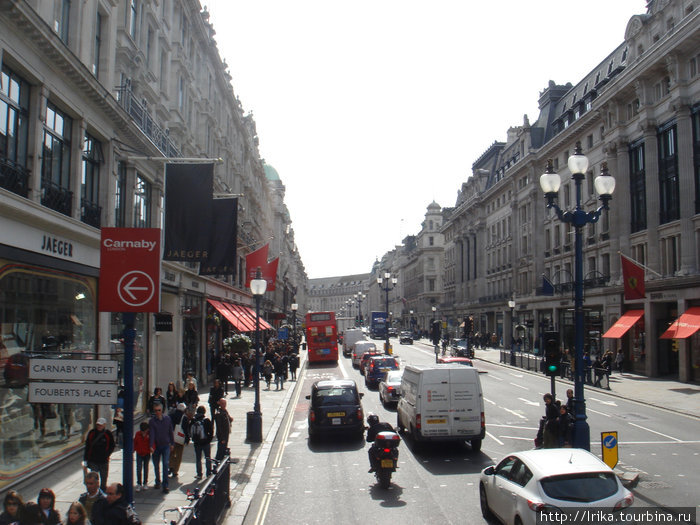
{"x": 130, "y": 270}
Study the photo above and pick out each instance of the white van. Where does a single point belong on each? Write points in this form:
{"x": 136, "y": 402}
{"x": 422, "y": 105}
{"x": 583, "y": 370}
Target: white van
{"x": 442, "y": 403}
{"x": 350, "y": 337}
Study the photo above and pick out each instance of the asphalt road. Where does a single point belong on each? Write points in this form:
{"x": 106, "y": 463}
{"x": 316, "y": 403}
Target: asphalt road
{"x": 327, "y": 482}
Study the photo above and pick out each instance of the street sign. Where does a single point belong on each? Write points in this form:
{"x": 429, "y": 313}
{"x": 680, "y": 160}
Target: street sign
{"x": 73, "y": 369}
{"x": 283, "y": 333}
{"x": 608, "y": 443}
{"x": 129, "y": 270}
{"x": 73, "y": 393}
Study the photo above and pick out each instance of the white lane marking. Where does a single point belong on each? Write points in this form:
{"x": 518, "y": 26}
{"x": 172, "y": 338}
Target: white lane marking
{"x": 489, "y": 401}
{"x": 528, "y": 402}
{"x": 519, "y": 386}
{"x": 517, "y": 438}
{"x": 610, "y": 403}
{"x": 341, "y": 364}
{"x": 516, "y": 375}
{"x": 489, "y": 434}
{"x": 513, "y": 426}
{"x": 654, "y": 431}
{"x": 495, "y": 377}
{"x": 514, "y": 412}
{"x": 596, "y": 412}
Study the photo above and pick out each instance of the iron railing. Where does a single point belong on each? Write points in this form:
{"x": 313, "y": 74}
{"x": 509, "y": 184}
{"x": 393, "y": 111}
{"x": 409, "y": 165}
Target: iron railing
{"x": 56, "y": 197}
{"x": 14, "y": 177}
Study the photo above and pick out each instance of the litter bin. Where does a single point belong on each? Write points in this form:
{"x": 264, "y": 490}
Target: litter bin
{"x": 254, "y": 427}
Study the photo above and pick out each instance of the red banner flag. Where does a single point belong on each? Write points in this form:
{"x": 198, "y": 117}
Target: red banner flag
{"x": 269, "y": 273}
{"x": 253, "y": 261}
{"x": 633, "y": 277}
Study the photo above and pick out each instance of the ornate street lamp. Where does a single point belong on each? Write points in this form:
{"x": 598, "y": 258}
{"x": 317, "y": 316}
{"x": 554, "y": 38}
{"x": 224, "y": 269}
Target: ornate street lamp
{"x": 390, "y": 283}
{"x": 578, "y": 218}
{"x": 508, "y": 341}
{"x": 254, "y": 422}
{"x": 294, "y": 308}
{"x": 359, "y": 296}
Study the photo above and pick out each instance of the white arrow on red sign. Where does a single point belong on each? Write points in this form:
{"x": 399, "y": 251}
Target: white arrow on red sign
{"x": 132, "y": 282}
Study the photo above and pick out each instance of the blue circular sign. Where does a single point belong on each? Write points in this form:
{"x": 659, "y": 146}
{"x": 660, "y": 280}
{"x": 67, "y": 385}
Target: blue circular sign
{"x": 610, "y": 441}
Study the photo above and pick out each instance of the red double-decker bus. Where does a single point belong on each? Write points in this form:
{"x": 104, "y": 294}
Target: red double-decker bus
{"x": 321, "y": 337}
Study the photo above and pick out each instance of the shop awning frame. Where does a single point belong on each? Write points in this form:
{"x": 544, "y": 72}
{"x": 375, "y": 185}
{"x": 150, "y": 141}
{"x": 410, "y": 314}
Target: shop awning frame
{"x": 623, "y": 324}
{"x": 228, "y": 315}
{"x": 685, "y": 326}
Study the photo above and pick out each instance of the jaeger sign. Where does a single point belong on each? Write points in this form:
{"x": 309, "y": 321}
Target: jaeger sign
{"x": 130, "y": 270}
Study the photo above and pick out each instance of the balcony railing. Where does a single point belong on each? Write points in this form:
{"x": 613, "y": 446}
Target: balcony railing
{"x": 145, "y": 122}
{"x": 14, "y": 177}
{"x": 56, "y": 197}
{"x": 90, "y": 213}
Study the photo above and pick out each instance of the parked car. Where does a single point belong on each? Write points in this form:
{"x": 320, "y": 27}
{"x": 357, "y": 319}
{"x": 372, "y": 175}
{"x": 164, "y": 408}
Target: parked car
{"x": 376, "y": 368}
{"x": 390, "y": 387}
{"x": 525, "y": 483}
{"x": 459, "y": 348}
{"x": 335, "y": 408}
{"x": 365, "y": 357}
{"x": 405, "y": 338}
{"x": 360, "y": 348}
{"x": 457, "y": 360}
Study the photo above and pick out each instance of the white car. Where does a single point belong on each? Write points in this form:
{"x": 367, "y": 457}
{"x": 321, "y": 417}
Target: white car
{"x": 360, "y": 348}
{"x": 549, "y": 480}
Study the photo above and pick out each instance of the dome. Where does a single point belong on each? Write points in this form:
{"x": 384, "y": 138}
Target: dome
{"x": 434, "y": 206}
{"x": 271, "y": 173}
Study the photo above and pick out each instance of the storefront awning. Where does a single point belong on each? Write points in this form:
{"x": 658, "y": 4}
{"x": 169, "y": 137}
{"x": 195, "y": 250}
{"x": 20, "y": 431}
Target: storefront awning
{"x": 246, "y": 321}
{"x": 249, "y": 317}
{"x": 264, "y": 325}
{"x": 228, "y": 315}
{"x": 685, "y": 326}
{"x": 624, "y": 323}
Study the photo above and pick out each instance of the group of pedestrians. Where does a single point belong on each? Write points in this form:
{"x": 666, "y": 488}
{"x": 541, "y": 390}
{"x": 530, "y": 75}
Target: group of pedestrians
{"x": 557, "y": 425}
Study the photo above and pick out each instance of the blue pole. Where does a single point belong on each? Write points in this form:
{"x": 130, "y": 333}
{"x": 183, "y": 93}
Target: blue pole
{"x": 129, "y": 319}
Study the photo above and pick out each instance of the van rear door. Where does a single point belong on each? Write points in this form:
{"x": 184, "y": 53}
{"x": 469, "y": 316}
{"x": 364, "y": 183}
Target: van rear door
{"x": 435, "y": 403}
{"x": 465, "y": 403}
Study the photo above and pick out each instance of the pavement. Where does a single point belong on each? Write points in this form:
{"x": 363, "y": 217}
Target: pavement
{"x": 66, "y": 478}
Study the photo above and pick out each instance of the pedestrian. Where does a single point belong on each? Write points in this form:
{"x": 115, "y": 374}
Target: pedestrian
{"x": 587, "y": 366}
{"x": 293, "y": 365}
{"x": 189, "y": 378}
{"x": 99, "y": 445}
{"x": 13, "y": 509}
{"x": 216, "y": 392}
{"x": 160, "y": 429}
{"x": 267, "y": 370}
{"x": 280, "y": 371}
{"x": 46, "y": 501}
{"x": 551, "y": 439}
{"x": 114, "y": 511}
{"x": 142, "y": 447}
{"x": 570, "y": 402}
{"x": 156, "y": 398}
{"x": 171, "y": 396}
{"x": 223, "y": 422}
{"x": 191, "y": 396}
{"x": 565, "y": 425}
{"x": 179, "y": 419}
{"x": 238, "y": 376}
{"x": 201, "y": 433}
{"x": 223, "y": 370}
{"x": 77, "y": 515}
{"x": 95, "y": 496}
{"x": 619, "y": 360}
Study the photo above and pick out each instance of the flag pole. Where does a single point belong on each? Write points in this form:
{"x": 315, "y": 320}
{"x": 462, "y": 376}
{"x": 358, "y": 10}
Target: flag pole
{"x": 640, "y": 264}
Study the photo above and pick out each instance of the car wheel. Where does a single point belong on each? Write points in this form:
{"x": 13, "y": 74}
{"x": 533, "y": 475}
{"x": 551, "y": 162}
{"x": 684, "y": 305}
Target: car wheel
{"x": 476, "y": 445}
{"x": 518, "y": 521}
{"x": 483, "y": 500}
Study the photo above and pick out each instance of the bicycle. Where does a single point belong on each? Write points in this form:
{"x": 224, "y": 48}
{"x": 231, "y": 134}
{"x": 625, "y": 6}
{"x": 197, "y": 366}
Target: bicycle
{"x": 182, "y": 509}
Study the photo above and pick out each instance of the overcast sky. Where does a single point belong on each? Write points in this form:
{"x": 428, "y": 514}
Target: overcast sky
{"x": 370, "y": 110}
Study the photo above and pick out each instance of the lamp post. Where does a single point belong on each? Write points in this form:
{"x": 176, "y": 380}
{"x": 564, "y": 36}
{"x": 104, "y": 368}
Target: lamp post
{"x": 359, "y": 296}
{"x": 509, "y": 340}
{"x": 254, "y": 422}
{"x": 390, "y": 282}
{"x": 578, "y": 218}
{"x": 294, "y": 308}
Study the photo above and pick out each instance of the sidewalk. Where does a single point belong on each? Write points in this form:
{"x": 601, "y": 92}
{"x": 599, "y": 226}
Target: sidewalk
{"x": 662, "y": 393}
{"x": 66, "y": 478}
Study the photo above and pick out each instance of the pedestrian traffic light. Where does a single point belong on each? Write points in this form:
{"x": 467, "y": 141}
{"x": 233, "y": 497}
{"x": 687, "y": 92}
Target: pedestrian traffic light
{"x": 552, "y": 353}
{"x": 435, "y": 329}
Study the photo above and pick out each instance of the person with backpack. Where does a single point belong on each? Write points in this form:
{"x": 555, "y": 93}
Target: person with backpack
{"x": 179, "y": 419}
{"x": 99, "y": 445}
{"x": 293, "y": 365}
{"x": 201, "y": 432}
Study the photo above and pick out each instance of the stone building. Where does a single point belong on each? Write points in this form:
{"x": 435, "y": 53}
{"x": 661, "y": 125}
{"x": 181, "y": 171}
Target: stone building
{"x": 94, "y": 97}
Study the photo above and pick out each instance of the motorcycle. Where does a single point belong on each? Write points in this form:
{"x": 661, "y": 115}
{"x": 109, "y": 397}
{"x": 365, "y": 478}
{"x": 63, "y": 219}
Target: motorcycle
{"x": 386, "y": 452}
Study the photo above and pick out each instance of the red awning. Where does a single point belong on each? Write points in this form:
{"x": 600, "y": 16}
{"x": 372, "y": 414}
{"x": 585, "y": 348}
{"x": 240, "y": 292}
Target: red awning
{"x": 264, "y": 325}
{"x": 685, "y": 326}
{"x": 242, "y": 317}
{"x": 228, "y": 315}
{"x": 624, "y": 323}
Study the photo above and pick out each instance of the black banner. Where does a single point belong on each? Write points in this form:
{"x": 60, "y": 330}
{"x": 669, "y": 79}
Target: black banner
{"x": 164, "y": 322}
{"x": 223, "y": 239}
{"x": 188, "y": 211}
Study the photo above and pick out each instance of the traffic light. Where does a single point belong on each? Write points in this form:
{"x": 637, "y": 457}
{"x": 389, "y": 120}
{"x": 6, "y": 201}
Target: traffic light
{"x": 471, "y": 325}
{"x": 552, "y": 353}
{"x": 435, "y": 332}
{"x": 466, "y": 328}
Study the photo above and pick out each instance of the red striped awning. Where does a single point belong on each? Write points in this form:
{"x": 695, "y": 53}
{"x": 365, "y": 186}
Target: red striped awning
{"x": 228, "y": 315}
{"x": 623, "y": 324}
{"x": 264, "y": 325}
{"x": 685, "y": 326}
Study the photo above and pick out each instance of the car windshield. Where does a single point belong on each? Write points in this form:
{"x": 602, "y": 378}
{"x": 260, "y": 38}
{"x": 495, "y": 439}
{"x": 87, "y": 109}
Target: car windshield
{"x": 384, "y": 363}
{"x": 461, "y": 344}
{"x": 393, "y": 377}
{"x": 592, "y": 486}
{"x": 335, "y": 396}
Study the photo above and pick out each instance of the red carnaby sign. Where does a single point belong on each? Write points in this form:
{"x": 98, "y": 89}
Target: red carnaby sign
{"x": 129, "y": 270}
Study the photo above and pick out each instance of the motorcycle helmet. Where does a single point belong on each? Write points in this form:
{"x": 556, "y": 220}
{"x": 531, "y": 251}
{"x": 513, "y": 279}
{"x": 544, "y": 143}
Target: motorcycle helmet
{"x": 372, "y": 419}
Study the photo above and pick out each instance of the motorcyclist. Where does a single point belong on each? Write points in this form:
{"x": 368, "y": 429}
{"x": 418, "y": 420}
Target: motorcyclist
{"x": 375, "y": 427}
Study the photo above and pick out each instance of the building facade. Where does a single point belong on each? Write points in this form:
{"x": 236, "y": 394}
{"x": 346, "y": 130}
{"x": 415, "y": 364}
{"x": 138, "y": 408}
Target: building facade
{"x": 94, "y": 98}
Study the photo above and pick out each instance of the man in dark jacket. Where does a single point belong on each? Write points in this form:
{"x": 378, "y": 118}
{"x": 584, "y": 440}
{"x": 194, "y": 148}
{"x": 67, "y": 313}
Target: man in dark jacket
{"x": 99, "y": 445}
{"x": 223, "y": 429}
{"x": 375, "y": 427}
{"x": 114, "y": 511}
{"x": 201, "y": 432}
{"x": 93, "y": 495}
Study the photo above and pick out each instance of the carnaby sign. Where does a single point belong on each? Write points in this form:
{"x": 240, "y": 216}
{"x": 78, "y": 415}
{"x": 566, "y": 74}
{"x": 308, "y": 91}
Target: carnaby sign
{"x": 130, "y": 270}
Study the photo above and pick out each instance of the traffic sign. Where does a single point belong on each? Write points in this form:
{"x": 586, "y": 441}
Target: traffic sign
{"x": 73, "y": 369}
{"x": 608, "y": 444}
{"x": 130, "y": 270}
{"x": 73, "y": 393}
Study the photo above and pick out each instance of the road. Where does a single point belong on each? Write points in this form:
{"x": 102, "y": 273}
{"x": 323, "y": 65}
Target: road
{"x": 327, "y": 482}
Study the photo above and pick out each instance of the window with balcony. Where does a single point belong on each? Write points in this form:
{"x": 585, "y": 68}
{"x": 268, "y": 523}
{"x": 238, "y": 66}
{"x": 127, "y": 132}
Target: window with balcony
{"x": 90, "y": 209}
{"x": 120, "y": 197}
{"x": 638, "y": 200}
{"x": 98, "y": 46}
{"x": 14, "y": 127}
{"x": 55, "y": 161}
{"x": 669, "y": 194}
{"x": 142, "y": 203}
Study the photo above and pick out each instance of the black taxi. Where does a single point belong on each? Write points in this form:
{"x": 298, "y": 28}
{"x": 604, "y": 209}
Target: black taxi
{"x": 335, "y": 408}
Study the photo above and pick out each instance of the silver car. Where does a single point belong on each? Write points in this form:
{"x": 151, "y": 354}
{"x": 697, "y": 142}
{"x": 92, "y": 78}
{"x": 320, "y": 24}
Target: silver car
{"x": 526, "y": 483}
{"x": 389, "y": 387}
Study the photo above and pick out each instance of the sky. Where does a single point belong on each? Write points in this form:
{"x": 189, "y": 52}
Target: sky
{"x": 370, "y": 110}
